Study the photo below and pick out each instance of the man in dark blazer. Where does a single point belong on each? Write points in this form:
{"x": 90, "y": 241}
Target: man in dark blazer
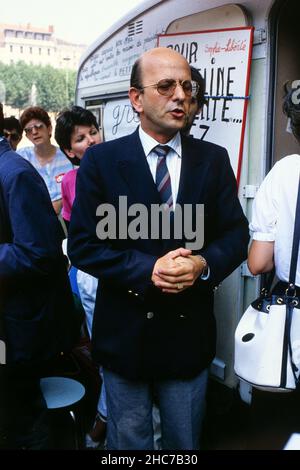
{"x": 37, "y": 320}
{"x": 154, "y": 329}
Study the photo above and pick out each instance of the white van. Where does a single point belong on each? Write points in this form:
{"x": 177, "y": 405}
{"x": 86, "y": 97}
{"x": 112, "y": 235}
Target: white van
{"x": 246, "y": 51}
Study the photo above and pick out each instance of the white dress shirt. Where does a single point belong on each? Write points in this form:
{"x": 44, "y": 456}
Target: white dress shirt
{"x": 173, "y": 159}
{"x": 273, "y": 214}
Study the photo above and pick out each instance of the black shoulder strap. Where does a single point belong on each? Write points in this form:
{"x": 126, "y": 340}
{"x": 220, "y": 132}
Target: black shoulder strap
{"x": 267, "y": 281}
{"x": 296, "y": 238}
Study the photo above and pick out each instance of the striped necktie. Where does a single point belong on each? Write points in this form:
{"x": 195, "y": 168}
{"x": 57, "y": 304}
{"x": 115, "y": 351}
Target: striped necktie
{"x": 162, "y": 179}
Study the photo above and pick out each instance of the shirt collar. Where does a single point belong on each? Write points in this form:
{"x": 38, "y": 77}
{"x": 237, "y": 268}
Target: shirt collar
{"x": 149, "y": 143}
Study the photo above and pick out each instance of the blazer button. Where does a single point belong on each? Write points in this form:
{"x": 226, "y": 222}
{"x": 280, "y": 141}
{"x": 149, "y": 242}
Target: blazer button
{"x": 150, "y": 315}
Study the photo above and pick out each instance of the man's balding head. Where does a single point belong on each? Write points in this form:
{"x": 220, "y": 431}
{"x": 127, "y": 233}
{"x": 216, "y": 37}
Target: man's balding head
{"x": 154, "y": 57}
{"x": 161, "y": 114}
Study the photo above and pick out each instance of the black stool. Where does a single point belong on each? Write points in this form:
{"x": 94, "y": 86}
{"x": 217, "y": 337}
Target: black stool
{"x": 62, "y": 393}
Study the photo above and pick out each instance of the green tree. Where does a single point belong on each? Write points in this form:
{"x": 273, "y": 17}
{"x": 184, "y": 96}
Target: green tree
{"x": 51, "y": 85}
{"x": 17, "y": 81}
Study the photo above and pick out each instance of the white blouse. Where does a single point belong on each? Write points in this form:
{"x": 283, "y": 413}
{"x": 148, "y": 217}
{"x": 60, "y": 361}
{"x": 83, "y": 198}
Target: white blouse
{"x": 274, "y": 212}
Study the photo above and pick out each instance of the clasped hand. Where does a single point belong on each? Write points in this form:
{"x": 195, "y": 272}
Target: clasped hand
{"x": 176, "y": 271}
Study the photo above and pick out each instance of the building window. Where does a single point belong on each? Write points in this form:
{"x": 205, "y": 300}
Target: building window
{"x": 40, "y": 51}
{"x": 29, "y": 35}
{"x": 30, "y": 50}
{"x": 11, "y": 48}
{"x": 38, "y": 36}
{"x": 19, "y": 34}
{"x": 9, "y": 33}
{"x": 21, "y": 49}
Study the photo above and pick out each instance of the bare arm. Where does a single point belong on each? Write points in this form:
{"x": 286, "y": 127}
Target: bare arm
{"x": 261, "y": 257}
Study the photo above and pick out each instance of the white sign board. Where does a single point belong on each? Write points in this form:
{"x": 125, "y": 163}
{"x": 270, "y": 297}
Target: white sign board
{"x": 119, "y": 119}
{"x": 113, "y": 62}
{"x": 223, "y": 59}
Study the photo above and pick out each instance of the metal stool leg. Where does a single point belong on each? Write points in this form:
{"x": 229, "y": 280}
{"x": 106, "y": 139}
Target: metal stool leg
{"x": 78, "y": 429}
{"x": 65, "y": 394}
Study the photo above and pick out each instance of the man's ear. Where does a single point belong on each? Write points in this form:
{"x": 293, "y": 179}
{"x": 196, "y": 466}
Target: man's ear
{"x": 135, "y": 97}
{"x": 70, "y": 153}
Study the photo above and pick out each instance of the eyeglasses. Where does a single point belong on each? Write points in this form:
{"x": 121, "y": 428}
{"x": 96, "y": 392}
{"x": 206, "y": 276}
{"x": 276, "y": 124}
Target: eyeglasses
{"x": 12, "y": 135}
{"x": 37, "y": 127}
{"x": 167, "y": 86}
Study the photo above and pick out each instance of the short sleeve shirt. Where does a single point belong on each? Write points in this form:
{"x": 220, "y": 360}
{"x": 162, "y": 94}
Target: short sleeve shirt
{"x": 273, "y": 214}
{"x": 68, "y": 187}
{"x": 52, "y": 173}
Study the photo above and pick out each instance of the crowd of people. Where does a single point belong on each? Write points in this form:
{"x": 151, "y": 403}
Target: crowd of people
{"x": 148, "y": 303}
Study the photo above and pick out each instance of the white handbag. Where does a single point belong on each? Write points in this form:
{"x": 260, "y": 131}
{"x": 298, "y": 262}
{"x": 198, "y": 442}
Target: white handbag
{"x": 267, "y": 343}
{"x": 267, "y": 338}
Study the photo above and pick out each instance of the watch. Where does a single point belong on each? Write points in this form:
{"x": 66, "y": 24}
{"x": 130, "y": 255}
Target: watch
{"x": 205, "y": 266}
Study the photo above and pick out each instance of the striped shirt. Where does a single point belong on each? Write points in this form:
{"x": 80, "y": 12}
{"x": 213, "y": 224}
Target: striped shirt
{"x": 173, "y": 158}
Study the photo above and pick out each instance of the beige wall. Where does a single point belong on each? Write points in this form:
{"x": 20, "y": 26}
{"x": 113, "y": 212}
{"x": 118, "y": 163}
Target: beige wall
{"x": 51, "y": 51}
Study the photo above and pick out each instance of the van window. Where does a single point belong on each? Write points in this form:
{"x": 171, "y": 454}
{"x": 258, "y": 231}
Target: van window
{"x": 227, "y": 16}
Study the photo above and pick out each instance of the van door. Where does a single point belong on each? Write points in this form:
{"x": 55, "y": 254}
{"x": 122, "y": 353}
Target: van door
{"x": 285, "y": 67}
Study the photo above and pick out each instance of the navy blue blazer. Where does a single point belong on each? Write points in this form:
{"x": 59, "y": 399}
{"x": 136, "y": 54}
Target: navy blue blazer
{"x": 36, "y": 304}
{"x": 138, "y": 331}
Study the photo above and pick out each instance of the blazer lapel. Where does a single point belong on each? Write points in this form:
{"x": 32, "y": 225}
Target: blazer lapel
{"x": 135, "y": 170}
{"x": 191, "y": 189}
{"x": 193, "y": 174}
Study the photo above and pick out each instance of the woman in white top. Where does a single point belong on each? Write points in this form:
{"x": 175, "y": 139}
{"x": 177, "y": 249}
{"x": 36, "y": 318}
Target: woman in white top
{"x": 274, "y": 209}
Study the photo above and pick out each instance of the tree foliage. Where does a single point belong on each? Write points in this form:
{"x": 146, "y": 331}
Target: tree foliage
{"x": 45, "y": 86}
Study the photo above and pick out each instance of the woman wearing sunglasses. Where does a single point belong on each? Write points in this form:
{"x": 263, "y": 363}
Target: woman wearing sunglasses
{"x": 49, "y": 161}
